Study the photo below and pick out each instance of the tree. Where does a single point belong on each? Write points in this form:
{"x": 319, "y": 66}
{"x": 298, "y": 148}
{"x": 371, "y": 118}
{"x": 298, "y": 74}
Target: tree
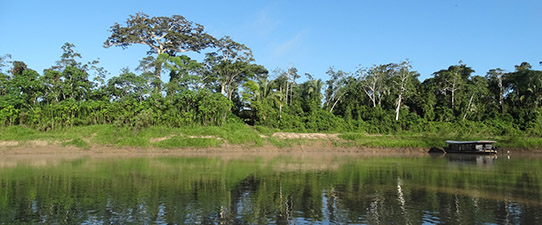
{"x": 260, "y": 99}
{"x": 452, "y": 80}
{"x": 170, "y": 35}
{"x": 372, "y": 82}
{"x": 403, "y": 81}
{"x": 68, "y": 58}
{"x": 525, "y": 94}
{"x": 71, "y": 76}
{"x": 128, "y": 85}
{"x": 336, "y": 87}
{"x": 185, "y": 73}
{"x": 496, "y": 77}
{"x": 476, "y": 89}
{"x": 292, "y": 74}
{"x": 25, "y": 85}
{"x": 4, "y": 61}
{"x": 310, "y": 94}
{"x": 426, "y": 98}
{"x": 231, "y": 65}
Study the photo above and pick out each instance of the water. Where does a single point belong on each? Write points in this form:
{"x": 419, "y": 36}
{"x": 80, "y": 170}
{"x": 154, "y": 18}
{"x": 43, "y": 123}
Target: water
{"x": 272, "y": 189}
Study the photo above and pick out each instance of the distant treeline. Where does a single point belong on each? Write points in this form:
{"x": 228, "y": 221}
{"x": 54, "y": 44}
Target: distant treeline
{"x": 227, "y": 86}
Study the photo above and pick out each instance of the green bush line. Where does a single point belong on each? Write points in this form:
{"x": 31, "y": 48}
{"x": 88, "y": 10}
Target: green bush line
{"x": 240, "y": 134}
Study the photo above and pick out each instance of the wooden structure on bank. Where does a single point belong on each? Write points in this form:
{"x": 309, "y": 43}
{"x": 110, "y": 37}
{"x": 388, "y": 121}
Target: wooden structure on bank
{"x": 483, "y": 147}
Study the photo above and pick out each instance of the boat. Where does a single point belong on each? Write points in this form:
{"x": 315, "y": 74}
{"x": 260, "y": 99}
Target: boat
{"x": 481, "y": 147}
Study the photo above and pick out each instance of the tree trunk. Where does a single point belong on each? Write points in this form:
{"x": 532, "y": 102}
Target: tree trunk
{"x": 223, "y": 89}
{"x": 501, "y": 101}
{"x": 335, "y": 103}
{"x": 398, "y": 106}
{"x": 230, "y": 92}
{"x": 468, "y": 107}
{"x": 286, "y": 94}
{"x": 280, "y": 112}
{"x": 158, "y": 71}
{"x": 453, "y": 96}
{"x": 292, "y": 91}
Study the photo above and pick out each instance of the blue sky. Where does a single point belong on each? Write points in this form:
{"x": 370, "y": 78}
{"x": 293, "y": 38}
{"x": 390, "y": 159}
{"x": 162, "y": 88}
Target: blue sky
{"x": 310, "y": 35}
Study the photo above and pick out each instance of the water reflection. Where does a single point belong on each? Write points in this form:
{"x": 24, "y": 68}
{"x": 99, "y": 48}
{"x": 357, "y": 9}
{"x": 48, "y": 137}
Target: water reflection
{"x": 278, "y": 189}
{"x": 481, "y": 160}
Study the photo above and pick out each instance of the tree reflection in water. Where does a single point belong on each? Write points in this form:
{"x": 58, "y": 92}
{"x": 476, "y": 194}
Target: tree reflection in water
{"x": 281, "y": 190}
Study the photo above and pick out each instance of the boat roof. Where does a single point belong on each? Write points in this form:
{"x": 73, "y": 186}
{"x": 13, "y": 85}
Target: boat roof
{"x": 471, "y": 142}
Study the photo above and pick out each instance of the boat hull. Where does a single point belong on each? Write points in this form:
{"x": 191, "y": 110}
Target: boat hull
{"x": 486, "y": 151}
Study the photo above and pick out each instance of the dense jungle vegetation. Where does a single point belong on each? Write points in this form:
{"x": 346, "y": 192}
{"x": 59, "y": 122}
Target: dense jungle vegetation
{"x": 229, "y": 87}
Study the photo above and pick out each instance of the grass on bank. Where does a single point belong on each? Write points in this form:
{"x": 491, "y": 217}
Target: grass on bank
{"x": 183, "y": 142}
{"x": 186, "y": 137}
{"x": 238, "y": 134}
{"x": 78, "y": 143}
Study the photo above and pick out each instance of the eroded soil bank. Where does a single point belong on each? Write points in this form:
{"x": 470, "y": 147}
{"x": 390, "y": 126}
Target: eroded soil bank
{"x": 227, "y": 150}
{"x": 307, "y": 143}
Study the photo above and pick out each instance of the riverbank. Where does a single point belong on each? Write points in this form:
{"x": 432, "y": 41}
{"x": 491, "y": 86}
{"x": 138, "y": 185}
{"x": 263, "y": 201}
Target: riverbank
{"x": 45, "y": 149}
{"x": 229, "y": 138}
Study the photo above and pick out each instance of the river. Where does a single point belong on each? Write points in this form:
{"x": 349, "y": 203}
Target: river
{"x": 311, "y": 188}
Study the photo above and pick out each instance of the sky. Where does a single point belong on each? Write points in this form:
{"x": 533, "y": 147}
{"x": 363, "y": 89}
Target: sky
{"x": 309, "y": 35}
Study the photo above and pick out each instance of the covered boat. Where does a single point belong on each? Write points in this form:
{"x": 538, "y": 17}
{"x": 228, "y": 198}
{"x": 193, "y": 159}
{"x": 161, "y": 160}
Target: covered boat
{"x": 486, "y": 147}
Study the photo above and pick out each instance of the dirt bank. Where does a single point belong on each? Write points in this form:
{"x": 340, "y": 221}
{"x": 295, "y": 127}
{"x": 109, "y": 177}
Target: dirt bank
{"x": 56, "y": 149}
{"x": 314, "y": 143}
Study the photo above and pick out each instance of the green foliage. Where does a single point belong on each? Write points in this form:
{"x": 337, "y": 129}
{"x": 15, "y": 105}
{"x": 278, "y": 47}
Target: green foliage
{"x": 218, "y": 95}
{"x": 162, "y": 34}
{"x": 265, "y": 130}
{"x": 119, "y": 136}
{"x": 324, "y": 121}
{"x": 16, "y": 133}
{"x": 233, "y": 133}
{"x": 534, "y": 128}
{"x": 181, "y": 142}
{"x": 77, "y": 142}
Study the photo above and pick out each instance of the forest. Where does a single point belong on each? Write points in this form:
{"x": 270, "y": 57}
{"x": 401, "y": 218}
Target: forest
{"x": 227, "y": 86}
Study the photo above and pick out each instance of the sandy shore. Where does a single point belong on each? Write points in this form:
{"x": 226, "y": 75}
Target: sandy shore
{"x": 55, "y": 150}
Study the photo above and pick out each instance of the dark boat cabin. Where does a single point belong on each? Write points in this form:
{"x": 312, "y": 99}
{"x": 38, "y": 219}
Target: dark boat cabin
{"x": 470, "y": 147}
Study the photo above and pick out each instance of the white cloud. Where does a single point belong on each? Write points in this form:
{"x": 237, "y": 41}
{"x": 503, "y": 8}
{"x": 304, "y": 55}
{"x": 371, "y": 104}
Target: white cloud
{"x": 290, "y": 45}
{"x": 264, "y": 24}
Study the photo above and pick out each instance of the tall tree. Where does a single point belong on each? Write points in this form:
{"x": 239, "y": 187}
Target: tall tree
{"x": 311, "y": 94}
{"x": 185, "y": 73}
{"x": 452, "y": 80}
{"x": 373, "y": 82}
{"x": 231, "y": 65}
{"x": 336, "y": 87}
{"x": 25, "y": 85}
{"x": 71, "y": 76}
{"x": 170, "y": 35}
{"x": 525, "y": 91}
{"x": 496, "y": 76}
{"x": 128, "y": 85}
{"x": 475, "y": 89}
{"x": 403, "y": 80}
{"x": 292, "y": 74}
